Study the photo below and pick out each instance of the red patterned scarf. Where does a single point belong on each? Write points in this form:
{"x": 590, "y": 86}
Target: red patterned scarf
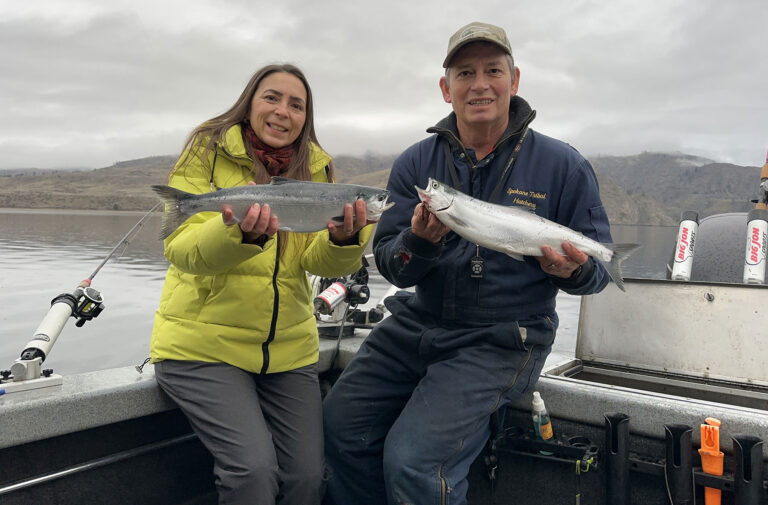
{"x": 274, "y": 160}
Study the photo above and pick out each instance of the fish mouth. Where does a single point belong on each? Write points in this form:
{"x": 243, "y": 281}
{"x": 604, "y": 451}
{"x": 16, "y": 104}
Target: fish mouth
{"x": 386, "y": 205}
{"x": 424, "y": 197}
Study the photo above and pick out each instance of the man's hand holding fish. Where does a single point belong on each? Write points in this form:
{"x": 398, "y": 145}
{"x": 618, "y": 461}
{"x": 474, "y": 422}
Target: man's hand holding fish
{"x": 426, "y": 225}
{"x": 559, "y": 265}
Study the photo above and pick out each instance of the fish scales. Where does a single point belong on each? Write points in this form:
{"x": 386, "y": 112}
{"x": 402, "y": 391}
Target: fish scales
{"x": 300, "y": 206}
{"x": 514, "y": 231}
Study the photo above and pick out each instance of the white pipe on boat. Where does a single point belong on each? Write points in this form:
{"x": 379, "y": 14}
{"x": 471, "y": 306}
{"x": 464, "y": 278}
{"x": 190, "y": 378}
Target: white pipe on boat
{"x": 755, "y": 252}
{"x": 50, "y": 328}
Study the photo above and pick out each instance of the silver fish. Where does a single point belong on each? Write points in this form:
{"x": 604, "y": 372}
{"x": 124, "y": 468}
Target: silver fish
{"x": 300, "y": 206}
{"x": 515, "y": 231}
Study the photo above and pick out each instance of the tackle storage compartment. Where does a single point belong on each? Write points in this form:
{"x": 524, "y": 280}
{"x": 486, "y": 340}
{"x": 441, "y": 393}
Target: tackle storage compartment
{"x": 700, "y": 340}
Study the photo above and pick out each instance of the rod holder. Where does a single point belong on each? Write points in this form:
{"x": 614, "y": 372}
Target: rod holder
{"x": 617, "y": 458}
{"x": 748, "y": 470}
{"x": 678, "y": 466}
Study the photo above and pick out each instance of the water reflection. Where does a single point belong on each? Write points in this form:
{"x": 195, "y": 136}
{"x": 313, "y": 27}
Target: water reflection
{"x": 657, "y": 244}
{"x": 89, "y": 234}
{"x": 45, "y": 253}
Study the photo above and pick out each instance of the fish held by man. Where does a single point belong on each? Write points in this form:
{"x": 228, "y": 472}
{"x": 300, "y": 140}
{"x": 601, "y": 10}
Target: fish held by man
{"x": 300, "y": 206}
{"x": 515, "y": 231}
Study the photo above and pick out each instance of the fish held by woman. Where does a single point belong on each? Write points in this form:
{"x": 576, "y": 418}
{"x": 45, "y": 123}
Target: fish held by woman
{"x": 514, "y": 231}
{"x": 301, "y": 206}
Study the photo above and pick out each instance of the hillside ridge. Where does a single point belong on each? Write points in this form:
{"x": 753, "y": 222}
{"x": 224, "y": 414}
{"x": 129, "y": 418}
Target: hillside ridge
{"x": 649, "y": 188}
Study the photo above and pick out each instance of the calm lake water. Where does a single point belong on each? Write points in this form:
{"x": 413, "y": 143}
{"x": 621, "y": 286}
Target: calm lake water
{"x": 44, "y": 253}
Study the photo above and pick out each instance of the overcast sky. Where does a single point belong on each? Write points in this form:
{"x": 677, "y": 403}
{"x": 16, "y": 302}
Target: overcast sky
{"x": 85, "y": 83}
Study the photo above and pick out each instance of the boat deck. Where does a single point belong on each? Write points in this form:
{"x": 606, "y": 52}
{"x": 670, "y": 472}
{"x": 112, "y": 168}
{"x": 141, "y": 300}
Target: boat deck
{"x": 101, "y": 426}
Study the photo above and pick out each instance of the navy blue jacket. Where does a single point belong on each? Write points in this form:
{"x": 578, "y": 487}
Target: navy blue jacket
{"x": 548, "y": 176}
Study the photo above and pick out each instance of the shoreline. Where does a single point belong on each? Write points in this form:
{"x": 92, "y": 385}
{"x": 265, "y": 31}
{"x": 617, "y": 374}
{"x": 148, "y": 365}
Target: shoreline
{"x": 44, "y": 211}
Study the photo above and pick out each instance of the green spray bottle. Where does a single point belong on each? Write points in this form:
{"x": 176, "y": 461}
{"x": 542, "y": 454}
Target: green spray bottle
{"x": 541, "y": 422}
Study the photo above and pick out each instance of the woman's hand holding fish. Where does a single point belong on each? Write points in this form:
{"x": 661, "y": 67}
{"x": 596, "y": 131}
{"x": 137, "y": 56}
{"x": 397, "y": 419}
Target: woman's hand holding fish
{"x": 258, "y": 224}
{"x": 557, "y": 265}
{"x": 354, "y": 221}
{"x": 424, "y": 224}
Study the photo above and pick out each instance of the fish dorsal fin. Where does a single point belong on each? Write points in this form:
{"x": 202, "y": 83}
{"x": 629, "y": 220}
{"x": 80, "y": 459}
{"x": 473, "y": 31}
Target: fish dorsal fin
{"x": 276, "y": 179}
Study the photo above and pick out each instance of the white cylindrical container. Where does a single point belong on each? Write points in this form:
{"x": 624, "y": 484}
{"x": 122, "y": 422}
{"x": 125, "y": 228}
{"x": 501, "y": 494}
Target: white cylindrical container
{"x": 755, "y": 252}
{"x": 686, "y": 236}
{"x": 333, "y": 295}
{"x": 50, "y": 327}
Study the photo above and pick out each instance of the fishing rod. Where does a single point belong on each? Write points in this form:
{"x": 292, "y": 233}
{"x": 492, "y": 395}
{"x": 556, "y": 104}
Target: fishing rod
{"x": 84, "y": 304}
{"x": 125, "y": 240}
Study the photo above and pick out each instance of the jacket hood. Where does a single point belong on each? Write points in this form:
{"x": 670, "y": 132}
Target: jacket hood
{"x": 520, "y": 115}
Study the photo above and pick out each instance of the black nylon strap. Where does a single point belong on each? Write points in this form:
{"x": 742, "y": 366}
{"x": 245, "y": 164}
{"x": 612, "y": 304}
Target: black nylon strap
{"x": 213, "y": 165}
{"x": 504, "y": 174}
{"x": 452, "y": 166}
{"x": 508, "y": 167}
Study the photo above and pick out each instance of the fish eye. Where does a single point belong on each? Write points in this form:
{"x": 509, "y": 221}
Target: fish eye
{"x": 434, "y": 184}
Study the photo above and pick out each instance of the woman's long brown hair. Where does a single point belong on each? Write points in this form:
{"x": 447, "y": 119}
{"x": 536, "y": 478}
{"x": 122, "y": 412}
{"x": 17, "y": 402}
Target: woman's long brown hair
{"x": 203, "y": 139}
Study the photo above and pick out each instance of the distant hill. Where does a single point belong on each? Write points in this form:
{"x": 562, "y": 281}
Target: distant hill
{"x": 680, "y": 182}
{"x": 14, "y": 172}
{"x": 648, "y": 188}
{"x": 123, "y": 186}
{"x": 352, "y": 166}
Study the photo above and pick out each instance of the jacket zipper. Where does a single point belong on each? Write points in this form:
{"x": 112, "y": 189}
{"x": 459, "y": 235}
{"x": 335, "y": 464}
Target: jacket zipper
{"x": 276, "y": 301}
{"x": 446, "y": 131}
{"x": 443, "y": 483}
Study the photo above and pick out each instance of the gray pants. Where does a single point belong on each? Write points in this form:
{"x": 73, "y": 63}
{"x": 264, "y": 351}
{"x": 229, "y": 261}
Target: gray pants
{"x": 264, "y": 431}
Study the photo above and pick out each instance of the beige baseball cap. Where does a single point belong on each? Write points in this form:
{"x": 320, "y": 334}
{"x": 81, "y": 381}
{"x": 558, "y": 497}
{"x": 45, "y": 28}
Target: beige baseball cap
{"x": 476, "y": 32}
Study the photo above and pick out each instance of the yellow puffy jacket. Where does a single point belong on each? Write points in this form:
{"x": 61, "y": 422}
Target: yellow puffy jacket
{"x": 225, "y": 301}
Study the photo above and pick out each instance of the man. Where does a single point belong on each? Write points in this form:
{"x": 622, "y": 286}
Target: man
{"x": 411, "y": 411}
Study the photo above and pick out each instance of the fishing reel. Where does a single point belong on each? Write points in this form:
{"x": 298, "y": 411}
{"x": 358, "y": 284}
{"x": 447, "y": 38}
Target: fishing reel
{"x": 84, "y": 303}
{"x": 336, "y": 304}
{"x": 336, "y": 291}
{"x": 89, "y": 305}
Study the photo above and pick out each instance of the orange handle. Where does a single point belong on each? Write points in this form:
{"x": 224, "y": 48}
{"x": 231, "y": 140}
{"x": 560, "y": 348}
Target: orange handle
{"x": 710, "y": 435}
{"x": 712, "y": 496}
{"x": 711, "y": 462}
{"x": 711, "y": 457}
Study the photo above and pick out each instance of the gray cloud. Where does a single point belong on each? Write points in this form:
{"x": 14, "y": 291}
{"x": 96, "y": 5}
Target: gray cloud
{"x": 91, "y": 84}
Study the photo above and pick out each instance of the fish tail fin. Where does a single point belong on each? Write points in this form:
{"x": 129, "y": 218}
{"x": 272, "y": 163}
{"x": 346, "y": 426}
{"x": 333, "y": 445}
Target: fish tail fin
{"x": 620, "y": 253}
{"x": 172, "y": 216}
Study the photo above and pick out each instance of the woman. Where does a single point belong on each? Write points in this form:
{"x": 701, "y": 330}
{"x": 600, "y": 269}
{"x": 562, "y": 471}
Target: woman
{"x": 235, "y": 340}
